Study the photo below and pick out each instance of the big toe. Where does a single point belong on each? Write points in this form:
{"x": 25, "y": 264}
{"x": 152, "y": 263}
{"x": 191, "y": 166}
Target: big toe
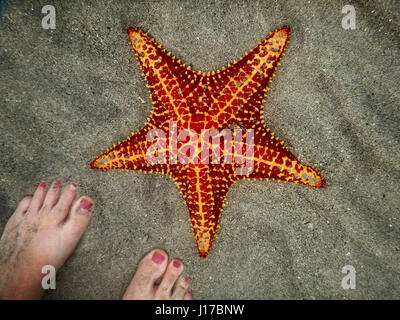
{"x": 150, "y": 269}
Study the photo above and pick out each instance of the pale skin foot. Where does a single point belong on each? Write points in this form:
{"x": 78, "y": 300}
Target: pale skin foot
{"x": 45, "y": 229}
{"x": 157, "y": 278}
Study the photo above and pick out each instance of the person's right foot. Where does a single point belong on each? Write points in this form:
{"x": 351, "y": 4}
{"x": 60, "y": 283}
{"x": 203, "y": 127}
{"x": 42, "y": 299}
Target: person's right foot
{"x": 158, "y": 279}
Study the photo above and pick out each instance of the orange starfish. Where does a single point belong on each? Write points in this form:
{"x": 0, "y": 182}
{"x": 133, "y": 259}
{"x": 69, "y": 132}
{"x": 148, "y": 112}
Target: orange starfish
{"x": 186, "y": 104}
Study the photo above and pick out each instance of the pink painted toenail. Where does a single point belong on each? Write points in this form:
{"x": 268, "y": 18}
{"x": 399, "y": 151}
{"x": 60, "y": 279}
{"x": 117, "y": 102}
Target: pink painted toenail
{"x": 190, "y": 292}
{"x": 187, "y": 279}
{"x": 176, "y": 264}
{"x": 43, "y": 185}
{"x": 57, "y": 183}
{"x": 157, "y": 258}
{"x": 86, "y": 204}
{"x": 73, "y": 185}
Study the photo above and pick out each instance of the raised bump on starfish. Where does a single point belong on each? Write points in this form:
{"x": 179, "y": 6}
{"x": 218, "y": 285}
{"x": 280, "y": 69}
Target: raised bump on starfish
{"x": 230, "y": 98}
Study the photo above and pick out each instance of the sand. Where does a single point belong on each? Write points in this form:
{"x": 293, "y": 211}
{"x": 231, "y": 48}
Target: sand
{"x": 68, "y": 94}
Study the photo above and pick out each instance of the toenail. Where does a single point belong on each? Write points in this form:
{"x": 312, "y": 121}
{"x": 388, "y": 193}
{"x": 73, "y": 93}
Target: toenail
{"x": 73, "y": 185}
{"x": 57, "y": 183}
{"x": 190, "y": 292}
{"x": 187, "y": 279}
{"x": 157, "y": 258}
{"x": 43, "y": 185}
{"x": 86, "y": 204}
{"x": 176, "y": 264}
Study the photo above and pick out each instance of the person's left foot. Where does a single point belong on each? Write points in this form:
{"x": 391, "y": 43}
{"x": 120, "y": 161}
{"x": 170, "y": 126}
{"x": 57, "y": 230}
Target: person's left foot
{"x": 44, "y": 230}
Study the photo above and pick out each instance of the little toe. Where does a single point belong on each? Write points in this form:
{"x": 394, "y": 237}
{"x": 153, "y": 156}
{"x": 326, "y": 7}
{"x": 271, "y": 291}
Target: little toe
{"x": 78, "y": 219}
{"x": 18, "y": 214}
{"x": 150, "y": 268}
{"x": 188, "y": 295}
{"x": 37, "y": 199}
{"x": 61, "y": 209}
{"x": 51, "y": 197}
{"x": 181, "y": 288}
{"x": 22, "y": 207}
{"x": 164, "y": 290}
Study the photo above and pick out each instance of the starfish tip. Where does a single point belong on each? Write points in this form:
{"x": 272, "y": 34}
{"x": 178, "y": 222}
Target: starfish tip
{"x": 321, "y": 183}
{"x": 93, "y": 164}
{"x": 131, "y": 30}
{"x": 203, "y": 254}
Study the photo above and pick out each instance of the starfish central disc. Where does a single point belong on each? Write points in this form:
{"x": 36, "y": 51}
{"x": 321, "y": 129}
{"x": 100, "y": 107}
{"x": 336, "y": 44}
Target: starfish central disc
{"x": 206, "y": 131}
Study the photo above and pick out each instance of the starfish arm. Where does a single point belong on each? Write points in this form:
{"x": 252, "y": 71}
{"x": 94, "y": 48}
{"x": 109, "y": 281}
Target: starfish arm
{"x": 270, "y": 159}
{"x": 282, "y": 166}
{"x": 242, "y": 86}
{"x": 169, "y": 81}
{"x": 204, "y": 189}
{"x": 130, "y": 154}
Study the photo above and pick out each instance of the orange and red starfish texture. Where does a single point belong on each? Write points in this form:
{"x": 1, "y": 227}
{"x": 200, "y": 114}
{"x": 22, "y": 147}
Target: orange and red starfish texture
{"x": 228, "y": 100}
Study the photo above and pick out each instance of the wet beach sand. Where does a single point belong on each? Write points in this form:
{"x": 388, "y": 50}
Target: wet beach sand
{"x": 68, "y": 94}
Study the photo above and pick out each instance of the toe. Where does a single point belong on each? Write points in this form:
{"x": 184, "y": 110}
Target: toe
{"x": 181, "y": 288}
{"x": 23, "y": 207}
{"x": 164, "y": 290}
{"x": 188, "y": 295}
{"x": 61, "y": 209}
{"x": 51, "y": 197}
{"x": 150, "y": 268}
{"x": 79, "y": 218}
{"x": 37, "y": 199}
{"x": 19, "y": 213}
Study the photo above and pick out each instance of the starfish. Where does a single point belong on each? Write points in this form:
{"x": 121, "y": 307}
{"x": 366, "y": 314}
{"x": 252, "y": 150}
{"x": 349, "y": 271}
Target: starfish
{"x": 224, "y": 104}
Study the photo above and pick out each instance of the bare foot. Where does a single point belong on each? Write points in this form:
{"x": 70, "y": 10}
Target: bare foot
{"x": 42, "y": 231}
{"x": 158, "y": 279}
